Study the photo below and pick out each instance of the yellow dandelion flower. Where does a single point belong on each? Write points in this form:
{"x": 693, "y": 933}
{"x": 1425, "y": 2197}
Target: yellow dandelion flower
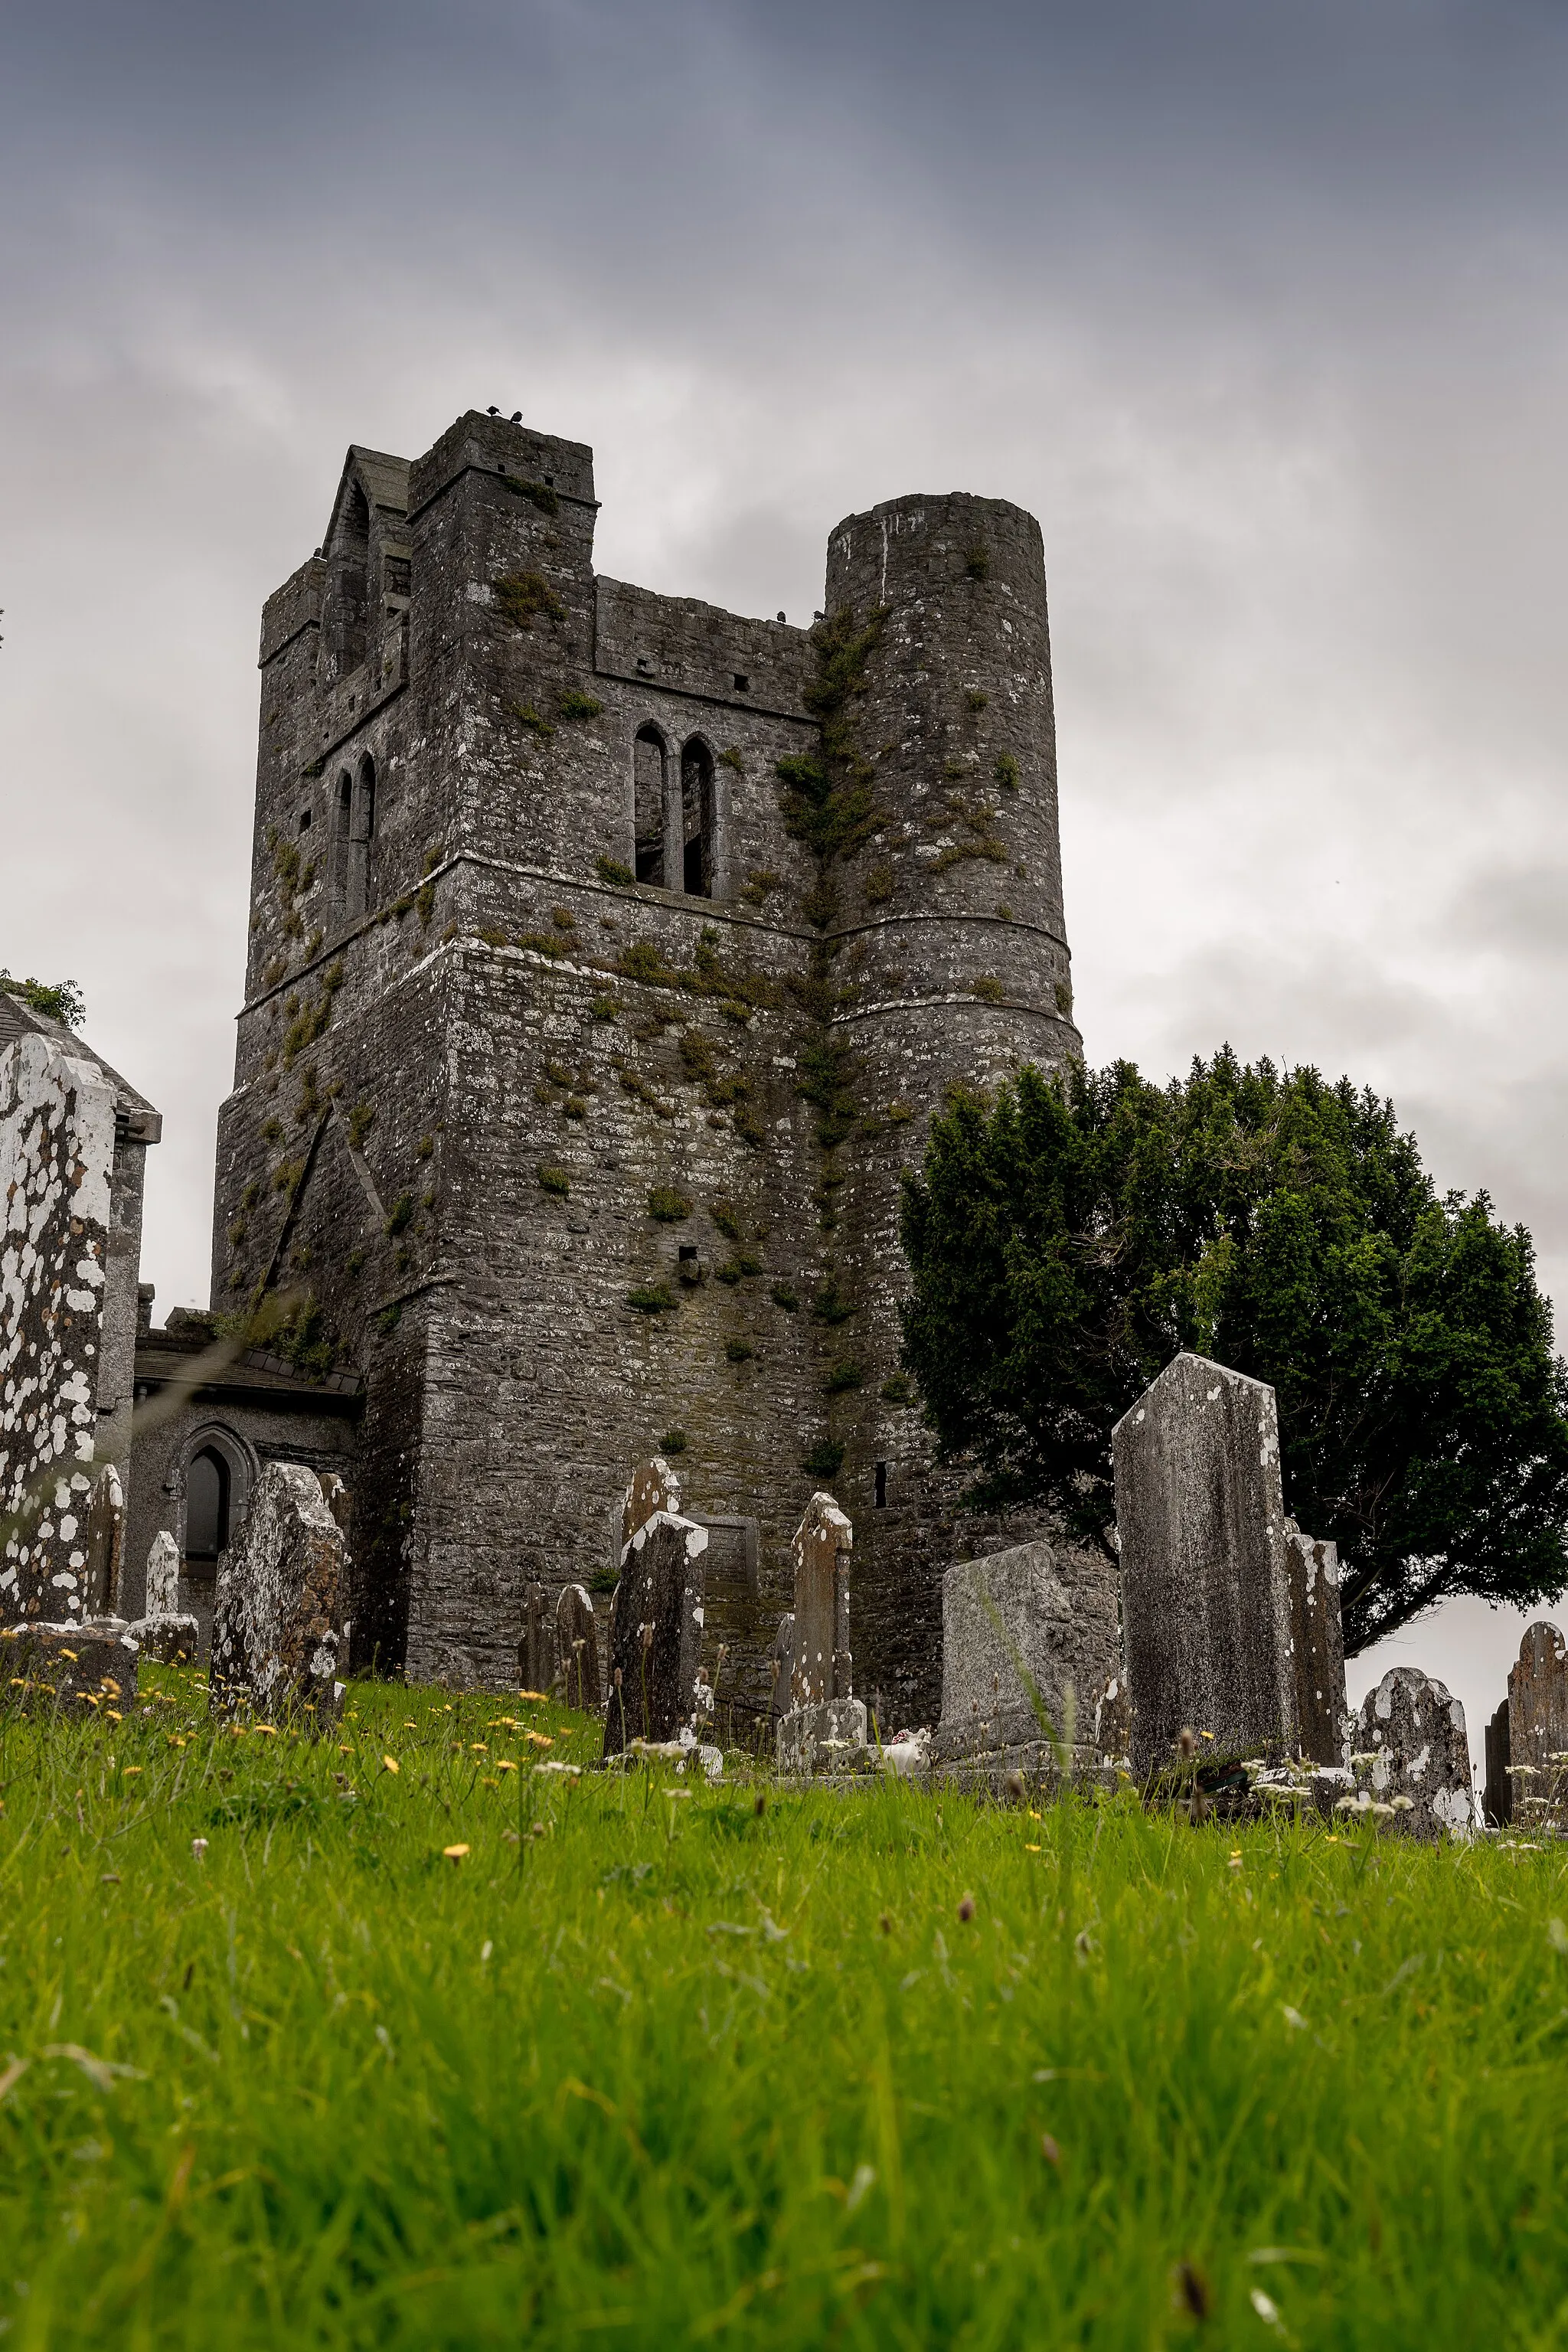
{"x": 390, "y": 1764}
{"x": 539, "y": 1739}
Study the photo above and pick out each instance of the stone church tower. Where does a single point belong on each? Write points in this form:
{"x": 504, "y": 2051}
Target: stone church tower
{"x": 608, "y": 956}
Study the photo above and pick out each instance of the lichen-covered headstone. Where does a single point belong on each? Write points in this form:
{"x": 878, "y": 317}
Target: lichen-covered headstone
{"x": 1112, "y": 1725}
{"x": 1538, "y": 1729}
{"x": 105, "y": 1544}
{"x": 1021, "y": 1662}
{"x": 165, "y": 1631}
{"x": 655, "y": 1621}
{"x": 1413, "y": 1753}
{"x": 577, "y": 1648}
{"x": 57, "y": 1159}
{"x": 781, "y": 1658}
{"x": 278, "y": 1610}
{"x": 824, "y": 1723}
{"x": 536, "y": 1661}
{"x": 1214, "y": 1577}
{"x": 162, "y": 1597}
{"x": 1318, "y": 1643}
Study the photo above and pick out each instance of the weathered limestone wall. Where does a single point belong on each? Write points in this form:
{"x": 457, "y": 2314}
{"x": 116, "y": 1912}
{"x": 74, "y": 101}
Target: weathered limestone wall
{"x": 454, "y": 1111}
{"x": 56, "y": 1161}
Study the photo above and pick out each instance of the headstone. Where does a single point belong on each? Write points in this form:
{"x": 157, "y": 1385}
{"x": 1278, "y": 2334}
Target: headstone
{"x": 824, "y": 1722}
{"x": 163, "y": 1598}
{"x": 656, "y": 1622}
{"x": 1022, "y": 1663}
{"x": 1411, "y": 1744}
{"x": 1113, "y": 1726}
{"x": 56, "y": 1157}
{"x": 1215, "y": 1579}
{"x": 1497, "y": 1802}
{"x": 105, "y": 1544}
{"x": 536, "y": 1661}
{"x": 781, "y": 1662}
{"x": 577, "y": 1648}
{"x": 1538, "y": 1731}
{"x": 164, "y": 1631}
{"x": 278, "y": 1609}
{"x": 1318, "y": 1642}
{"x": 82, "y": 1668}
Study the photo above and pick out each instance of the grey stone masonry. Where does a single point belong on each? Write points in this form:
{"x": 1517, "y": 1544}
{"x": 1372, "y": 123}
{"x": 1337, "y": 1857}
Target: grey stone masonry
{"x": 1017, "y": 1644}
{"x": 577, "y": 1649}
{"x": 1215, "y": 1582}
{"x": 1413, "y": 1753}
{"x": 278, "y": 1618}
{"x": 655, "y": 1623}
{"x": 543, "y": 976}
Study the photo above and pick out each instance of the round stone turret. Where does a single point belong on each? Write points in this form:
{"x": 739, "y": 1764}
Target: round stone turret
{"x": 957, "y": 721}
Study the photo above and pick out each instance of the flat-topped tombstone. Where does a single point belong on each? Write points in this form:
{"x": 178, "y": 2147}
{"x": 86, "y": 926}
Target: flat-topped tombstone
{"x": 656, "y": 1622}
{"x": 57, "y": 1160}
{"x": 1214, "y": 1577}
{"x": 577, "y": 1648}
{"x": 1021, "y": 1660}
{"x": 277, "y": 1611}
{"x": 71, "y": 1668}
{"x": 1411, "y": 1743}
{"x": 536, "y": 1660}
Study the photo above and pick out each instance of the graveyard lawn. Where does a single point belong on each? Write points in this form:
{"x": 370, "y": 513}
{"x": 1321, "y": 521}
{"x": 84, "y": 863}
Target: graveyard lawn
{"x": 425, "y": 2047}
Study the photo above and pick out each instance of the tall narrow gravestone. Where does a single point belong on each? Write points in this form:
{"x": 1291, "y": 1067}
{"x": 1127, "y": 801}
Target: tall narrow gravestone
{"x": 57, "y": 1159}
{"x": 536, "y": 1660}
{"x": 656, "y": 1622}
{"x": 163, "y": 1632}
{"x": 277, "y": 1613}
{"x": 1024, "y": 1658}
{"x": 577, "y": 1648}
{"x": 824, "y": 1720}
{"x": 1230, "y": 1618}
{"x": 1537, "y": 1735}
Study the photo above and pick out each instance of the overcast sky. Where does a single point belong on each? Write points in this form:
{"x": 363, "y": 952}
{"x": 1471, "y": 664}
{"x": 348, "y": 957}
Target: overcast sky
{"x": 1259, "y": 309}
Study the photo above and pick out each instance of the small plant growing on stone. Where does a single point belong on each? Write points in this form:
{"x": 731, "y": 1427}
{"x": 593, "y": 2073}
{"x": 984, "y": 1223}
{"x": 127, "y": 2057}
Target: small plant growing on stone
{"x": 877, "y": 887}
{"x": 674, "y": 1440}
{"x": 830, "y": 1306}
{"x": 1003, "y": 913}
{"x": 603, "y": 1008}
{"x": 574, "y": 704}
{"x": 989, "y": 989}
{"x": 722, "y": 1213}
{"x": 784, "y": 1297}
{"x": 610, "y": 869}
{"x": 825, "y": 1460}
{"x": 1007, "y": 771}
{"x": 425, "y": 1147}
{"x": 554, "y": 1180}
{"x": 400, "y": 1215}
{"x": 574, "y": 1107}
{"x": 526, "y": 714}
{"x": 523, "y": 597}
{"x": 667, "y": 1207}
{"x": 651, "y": 1299}
{"x": 1063, "y": 993}
{"x": 975, "y": 700}
{"x": 731, "y": 758}
{"x": 846, "y": 1374}
{"x": 899, "y": 1390}
{"x": 739, "y": 1351}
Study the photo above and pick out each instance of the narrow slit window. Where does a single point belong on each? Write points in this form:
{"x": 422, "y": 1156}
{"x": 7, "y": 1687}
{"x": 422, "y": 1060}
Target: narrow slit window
{"x": 697, "y": 820}
{"x": 338, "y": 857}
{"x": 649, "y": 811}
{"x": 880, "y": 1502}
{"x": 361, "y": 839}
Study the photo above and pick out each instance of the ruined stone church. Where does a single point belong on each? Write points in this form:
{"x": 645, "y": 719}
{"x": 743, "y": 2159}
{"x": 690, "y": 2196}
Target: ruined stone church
{"x": 609, "y": 955}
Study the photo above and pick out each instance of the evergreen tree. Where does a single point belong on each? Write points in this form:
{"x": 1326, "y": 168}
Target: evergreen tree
{"x": 1070, "y": 1239}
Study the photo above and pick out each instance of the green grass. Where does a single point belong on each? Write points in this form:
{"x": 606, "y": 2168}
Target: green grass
{"x": 671, "y": 2071}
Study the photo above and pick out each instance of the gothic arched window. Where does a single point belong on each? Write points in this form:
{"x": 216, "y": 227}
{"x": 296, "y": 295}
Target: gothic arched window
{"x": 697, "y": 820}
{"x": 207, "y": 1505}
{"x": 647, "y": 817}
{"x": 338, "y": 844}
